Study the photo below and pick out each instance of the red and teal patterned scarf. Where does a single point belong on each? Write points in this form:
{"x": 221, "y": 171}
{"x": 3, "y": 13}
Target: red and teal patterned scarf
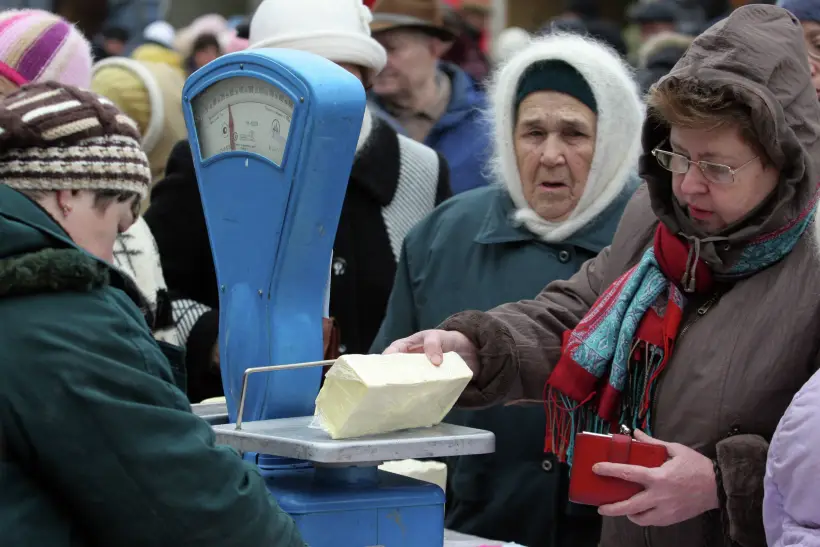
{"x": 610, "y": 363}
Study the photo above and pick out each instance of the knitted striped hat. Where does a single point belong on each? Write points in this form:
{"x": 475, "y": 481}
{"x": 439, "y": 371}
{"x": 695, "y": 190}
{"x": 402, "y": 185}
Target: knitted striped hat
{"x": 56, "y": 137}
{"x": 37, "y": 46}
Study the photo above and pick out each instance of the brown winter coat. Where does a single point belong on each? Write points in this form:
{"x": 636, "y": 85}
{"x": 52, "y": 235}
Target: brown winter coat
{"x": 744, "y": 351}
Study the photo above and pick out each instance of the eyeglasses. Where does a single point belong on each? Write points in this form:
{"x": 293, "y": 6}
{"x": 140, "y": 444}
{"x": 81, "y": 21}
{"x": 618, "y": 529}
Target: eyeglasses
{"x": 813, "y": 47}
{"x": 714, "y": 172}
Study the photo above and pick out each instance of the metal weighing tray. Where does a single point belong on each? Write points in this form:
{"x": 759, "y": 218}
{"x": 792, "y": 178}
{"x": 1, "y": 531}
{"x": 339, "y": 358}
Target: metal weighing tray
{"x": 213, "y": 413}
{"x": 294, "y": 438}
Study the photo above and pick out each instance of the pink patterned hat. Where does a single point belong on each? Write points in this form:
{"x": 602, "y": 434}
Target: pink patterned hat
{"x": 38, "y": 46}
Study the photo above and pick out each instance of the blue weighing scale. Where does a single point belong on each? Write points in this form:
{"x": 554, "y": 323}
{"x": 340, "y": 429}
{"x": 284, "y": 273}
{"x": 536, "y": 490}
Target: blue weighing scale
{"x": 273, "y": 134}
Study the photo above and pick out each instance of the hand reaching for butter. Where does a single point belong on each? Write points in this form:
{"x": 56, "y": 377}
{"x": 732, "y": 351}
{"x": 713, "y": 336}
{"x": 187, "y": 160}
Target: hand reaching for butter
{"x": 435, "y": 343}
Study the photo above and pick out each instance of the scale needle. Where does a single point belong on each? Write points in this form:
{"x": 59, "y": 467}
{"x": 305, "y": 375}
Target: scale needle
{"x": 231, "y": 128}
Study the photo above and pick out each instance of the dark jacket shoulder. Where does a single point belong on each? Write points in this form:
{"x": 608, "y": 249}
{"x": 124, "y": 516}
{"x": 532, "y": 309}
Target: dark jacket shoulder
{"x": 177, "y": 222}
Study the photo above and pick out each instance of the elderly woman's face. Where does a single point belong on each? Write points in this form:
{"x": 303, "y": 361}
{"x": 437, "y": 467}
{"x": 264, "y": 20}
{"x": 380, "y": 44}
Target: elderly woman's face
{"x": 91, "y": 225}
{"x": 554, "y": 141}
{"x": 716, "y": 206}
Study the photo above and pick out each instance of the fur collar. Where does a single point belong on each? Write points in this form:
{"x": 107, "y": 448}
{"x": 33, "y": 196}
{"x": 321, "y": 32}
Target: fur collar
{"x": 64, "y": 270}
{"x": 51, "y": 271}
{"x": 618, "y": 144}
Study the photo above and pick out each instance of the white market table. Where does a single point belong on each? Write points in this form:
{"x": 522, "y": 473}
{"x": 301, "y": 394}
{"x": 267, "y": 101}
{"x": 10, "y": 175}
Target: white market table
{"x": 455, "y": 539}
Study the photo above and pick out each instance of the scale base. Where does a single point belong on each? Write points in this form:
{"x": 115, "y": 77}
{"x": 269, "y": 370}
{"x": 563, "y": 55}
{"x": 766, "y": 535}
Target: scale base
{"x": 357, "y": 507}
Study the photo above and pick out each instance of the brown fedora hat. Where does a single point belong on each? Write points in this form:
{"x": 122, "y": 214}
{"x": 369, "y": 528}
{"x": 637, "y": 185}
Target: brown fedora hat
{"x": 423, "y": 15}
{"x": 481, "y": 6}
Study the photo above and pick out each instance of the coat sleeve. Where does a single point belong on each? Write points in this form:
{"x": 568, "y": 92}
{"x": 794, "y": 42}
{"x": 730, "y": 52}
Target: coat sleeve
{"x": 790, "y": 510}
{"x": 93, "y": 413}
{"x": 742, "y": 461}
{"x": 400, "y": 319}
{"x": 519, "y": 343}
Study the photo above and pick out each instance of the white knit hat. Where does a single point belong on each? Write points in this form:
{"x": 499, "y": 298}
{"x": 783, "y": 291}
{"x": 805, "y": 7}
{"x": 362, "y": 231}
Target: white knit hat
{"x": 160, "y": 32}
{"x": 338, "y": 30}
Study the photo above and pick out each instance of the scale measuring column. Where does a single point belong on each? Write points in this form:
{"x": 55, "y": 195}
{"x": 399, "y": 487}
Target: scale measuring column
{"x": 273, "y": 135}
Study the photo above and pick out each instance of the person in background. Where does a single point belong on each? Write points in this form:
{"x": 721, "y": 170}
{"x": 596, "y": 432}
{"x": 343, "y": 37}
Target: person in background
{"x": 566, "y": 166}
{"x": 237, "y": 39}
{"x": 477, "y": 14}
{"x": 84, "y": 382}
{"x": 210, "y": 23}
{"x": 38, "y": 46}
{"x": 790, "y": 512}
{"x": 436, "y": 103}
{"x": 564, "y": 24}
{"x": 697, "y": 327}
{"x": 608, "y": 33}
{"x": 808, "y": 12}
{"x": 581, "y": 10}
{"x": 150, "y": 94}
{"x": 395, "y": 182}
{"x": 465, "y": 51}
{"x": 176, "y": 222}
{"x": 158, "y": 46}
{"x": 658, "y": 56}
{"x": 597, "y": 29}
{"x": 236, "y": 44}
{"x": 88, "y": 16}
{"x": 58, "y": 52}
{"x": 509, "y": 42}
{"x": 655, "y": 17}
{"x": 114, "y": 42}
{"x": 206, "y": 48}
{"x": 588, "y": 14}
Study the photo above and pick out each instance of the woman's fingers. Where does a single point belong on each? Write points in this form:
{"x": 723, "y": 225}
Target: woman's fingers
{"x": 411, "y": 344}
{"x": 433, "y": 348}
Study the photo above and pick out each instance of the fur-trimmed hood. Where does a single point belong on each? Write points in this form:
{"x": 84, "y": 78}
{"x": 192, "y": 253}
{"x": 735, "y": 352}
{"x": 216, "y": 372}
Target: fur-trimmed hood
{"x": 618, "y": 143}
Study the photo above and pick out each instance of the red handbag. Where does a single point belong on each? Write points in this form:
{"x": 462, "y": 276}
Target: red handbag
{"x": 587, "y": 488}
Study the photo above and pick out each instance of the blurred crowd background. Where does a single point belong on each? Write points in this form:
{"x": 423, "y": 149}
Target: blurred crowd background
{"x": 486, "y": 26}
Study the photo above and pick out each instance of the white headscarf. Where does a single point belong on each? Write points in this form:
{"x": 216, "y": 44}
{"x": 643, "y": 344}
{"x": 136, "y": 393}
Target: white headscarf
{"x": 618, "y": 143}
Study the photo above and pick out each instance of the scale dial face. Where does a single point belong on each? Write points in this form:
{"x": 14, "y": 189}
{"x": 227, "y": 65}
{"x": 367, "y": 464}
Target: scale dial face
{"x": 243, "y": 114}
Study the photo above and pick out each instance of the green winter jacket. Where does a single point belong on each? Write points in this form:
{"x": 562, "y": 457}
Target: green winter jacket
{"x": 98, "y": 446}
{"x": 467, "y": 255}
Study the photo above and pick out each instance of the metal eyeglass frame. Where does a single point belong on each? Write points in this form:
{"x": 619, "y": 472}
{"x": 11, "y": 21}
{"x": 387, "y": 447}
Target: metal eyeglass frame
{"x": 700, "y": 165}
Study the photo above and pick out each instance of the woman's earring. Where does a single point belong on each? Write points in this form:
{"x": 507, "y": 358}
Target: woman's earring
{"x": 66, "y": 210}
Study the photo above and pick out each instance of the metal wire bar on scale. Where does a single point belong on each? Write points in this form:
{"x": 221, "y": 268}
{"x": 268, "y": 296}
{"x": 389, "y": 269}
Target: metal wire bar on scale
{"x": 270, "y": 368}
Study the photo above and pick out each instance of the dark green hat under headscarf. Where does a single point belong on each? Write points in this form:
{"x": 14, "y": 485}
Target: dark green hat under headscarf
{"x": 558, "y": 76}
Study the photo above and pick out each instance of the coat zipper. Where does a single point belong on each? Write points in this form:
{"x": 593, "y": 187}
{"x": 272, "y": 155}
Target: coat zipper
{"x": 702, "y": 310}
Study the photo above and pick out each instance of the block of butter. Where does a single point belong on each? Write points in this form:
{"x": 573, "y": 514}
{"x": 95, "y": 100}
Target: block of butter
{"x": 428, "y": 471}
{"x": 373, "y": 394}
